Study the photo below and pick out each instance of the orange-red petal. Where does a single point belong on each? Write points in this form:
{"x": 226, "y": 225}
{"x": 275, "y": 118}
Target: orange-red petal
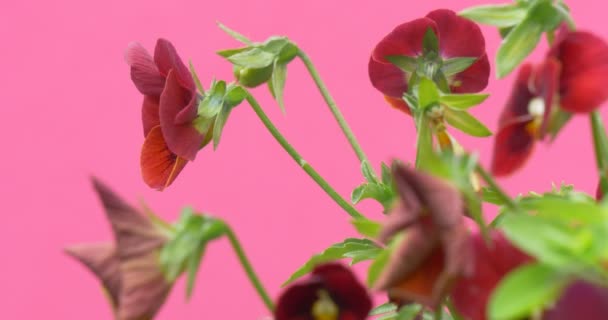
{"x": 159, "y": 166}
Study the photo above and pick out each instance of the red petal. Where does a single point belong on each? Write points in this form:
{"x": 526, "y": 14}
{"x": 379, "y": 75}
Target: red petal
{"x": 387, "y": 78}
{"x": 159, "y": 166}
{"x": 344, "y": 288}
{"x": 517, "y": 105}
{"x": 149, "y": 113}
{"x": 144, "y": 73}
{"x": 584, "y": 58}
{"x": 178, "y": 109}
{"x": 405, "y": 39}
{"x": 296, "y": 302}
{"x": 167, "y": 59}
{"x": 473, "y": 79}
{"x": 398, "y": 104}
{"x": 580, "y": 300}
{"x": 459, "y": 37}
{"x": 546, "y": 83}
{"x": 512, "y": 147}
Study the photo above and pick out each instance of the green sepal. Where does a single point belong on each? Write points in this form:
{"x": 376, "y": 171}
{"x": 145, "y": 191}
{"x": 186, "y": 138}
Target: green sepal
{"x": 212, "y": 102}
{"x": 254, "y": 58}
{"x": 237, "y": 36}
{"x": 462, "y": 101}
{"x": 278, "y": 79}
{"x": 384, "y": 194}
{"x": 252, "y": 77}
{"x": 430, "y": 42}
{"x": 465, "y": 122}
{"x": 501, "y": 15}
{"x": 235, "y": 94}
{"x": 454, "y": 66}
{"x": 197, "y": 80}
{"x": 405, "y": 63}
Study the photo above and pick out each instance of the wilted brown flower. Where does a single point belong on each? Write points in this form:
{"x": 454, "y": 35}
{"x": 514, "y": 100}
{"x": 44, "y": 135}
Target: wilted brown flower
{"x": 130, "y": 270}
{"x": 436, "y": 249}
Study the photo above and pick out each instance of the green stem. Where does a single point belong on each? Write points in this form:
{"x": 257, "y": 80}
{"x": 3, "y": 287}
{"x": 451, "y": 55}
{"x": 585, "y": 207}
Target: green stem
{"x": 333, "y": 107}
{"x": 255, "y": 281}
{"x": 487, "y": 177}
{"x": 300, "y": 161}
{"x": 600, "y": 146}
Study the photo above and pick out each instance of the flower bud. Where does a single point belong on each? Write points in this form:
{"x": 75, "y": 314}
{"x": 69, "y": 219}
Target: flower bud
{"x": 252, "y": 77}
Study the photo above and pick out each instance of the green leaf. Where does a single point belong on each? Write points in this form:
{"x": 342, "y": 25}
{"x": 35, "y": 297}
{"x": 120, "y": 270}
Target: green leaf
{"x": 383, "y": 308}
{"x": 405, "y": 63}
{"x": 430, "y": 43}
{"x": 502, "y": 15}
{"x": 545, "y": 13}
{"x": 197, "y": 81}
{"x": 234, "y": 96}
{"x": 237, "y": 36}
{"x": 368, "y": 172}
{"x": 466, "y": 123}
{"x": 213, "y": 101}
{"x": 454, "y": 66}
{"x": 582, "y": 210}
{"x": 335, "y": 252}
{"x": 428, "y": 94}
{"x": 255, "y": 58}
{"x": 278, "y": 78}
{"x": 367, "y": 228}
{"x": 525, "y": 291}
{"x": 462, "y": 101}
{"x": 377, "y": 266}
{"x": 382, "y": 193}
{"x": 442, "y": 82}
{"x": 387, "y": 176}
{"x": 230, "y": 52}
{"x": 520, "y": 42}
{"x": 490, "y": 195}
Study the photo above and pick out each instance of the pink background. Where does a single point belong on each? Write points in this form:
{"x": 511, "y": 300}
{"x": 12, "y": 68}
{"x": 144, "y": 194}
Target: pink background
{"x": 69, "y": 110}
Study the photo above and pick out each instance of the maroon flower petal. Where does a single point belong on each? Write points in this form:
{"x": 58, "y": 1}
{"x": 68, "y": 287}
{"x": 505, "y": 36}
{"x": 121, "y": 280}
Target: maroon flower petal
{"x": 178, "y": 108}
{"x": 387, "y": 78}
{"x": 167, "y": 59}
{"x": 546, "y": 84}
{"x": 159, "y": 166}
{"x": 296, "y": 302}
{"x": 149, "y": 113}
{"x": 474, "y": 78}
{"x": 512, "y": 147}
{"x": 460, "y": 37}
{"x": 584, "y": 58}
{"x": 405, "y": 40}
{"x": 517, "y": 105}
{"x": 580, "y": 300}
{"x": 144, "y": 73}
{"x": 346, "y": 291}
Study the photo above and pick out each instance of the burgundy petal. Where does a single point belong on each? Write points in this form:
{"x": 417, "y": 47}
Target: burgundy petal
{"x": 517, "y": 105}
{"x": 178, "y": 109}
{"x": 296, "y": 302}
{"x": 344, "y": 288}
{"x": 159, "y": 166}
{"x": 546, "y": 84}
{"x": 167, "y": 59}
{"x": 460, "y": 37}
{"x": 581, "y": 300}
{"x": 387, "y": 78}
{"x": 144, "y": 73}
{"x": 512, "y": 147}
{"x": 584, "y": 59}
{"x": 405, "y": 39}
{"x": 149, "y": 113}
{"x": 474, "y": 78}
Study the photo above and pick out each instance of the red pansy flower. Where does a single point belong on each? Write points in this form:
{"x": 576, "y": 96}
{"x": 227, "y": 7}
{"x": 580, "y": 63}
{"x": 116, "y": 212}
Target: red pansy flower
{"x": 525, "y": 117}
{"x": 584, "y": 70}
{"x": 457, "y": 36}
{"x": 471, "y": 293}
{"x": 331, "y": 293}
{"x": 129, "y": 269}
{"x": 437, "y": 248}
{"x": 168, "y": 112}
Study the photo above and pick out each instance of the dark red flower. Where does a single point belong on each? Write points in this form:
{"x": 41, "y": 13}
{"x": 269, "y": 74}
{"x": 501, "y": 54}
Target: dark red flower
{"x": 168, "y": 112}
{"x": 331, "y": 293}
{"x": 436, "y": 250}
{"x": 471, "y": 293}
{"x": 525, "y": 117}
{"x": 458, "y": 37}
{"x": 129, "y": 269}
{"x": 584, "y": 70}
{"x": 580, "y": 300}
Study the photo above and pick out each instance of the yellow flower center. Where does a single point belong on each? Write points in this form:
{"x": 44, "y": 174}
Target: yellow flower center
{"x": 324, "y": 308}
{"x": 536, "y": 108}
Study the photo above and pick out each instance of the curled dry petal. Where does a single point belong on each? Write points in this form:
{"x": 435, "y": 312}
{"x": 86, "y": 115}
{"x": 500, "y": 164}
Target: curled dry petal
{"x": 159, "y": 165}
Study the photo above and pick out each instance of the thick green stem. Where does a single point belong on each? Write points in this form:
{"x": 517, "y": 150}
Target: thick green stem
{"x": 600, "y": 146}
{"x": 301, "y": 162}
{"x": 255, "y": 281}
{"x": 333, "y": 107}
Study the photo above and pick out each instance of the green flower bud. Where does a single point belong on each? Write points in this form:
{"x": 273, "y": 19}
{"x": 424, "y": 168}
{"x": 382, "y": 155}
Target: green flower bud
{"x": 252, "y": 77}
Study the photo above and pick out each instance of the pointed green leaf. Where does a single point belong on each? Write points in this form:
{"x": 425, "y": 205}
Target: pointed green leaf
{"x": 278, "y": 78}
{"x": 454, "y": 66}
{"x": 405, "y": 63}
{"x": 367, "y": 228}
{"x": 237, "y": 36}
{"x": 520, "y": 42}
{"x": 197, "y": 81}
{"x": 501, "y": 15}
{"x": 383, "y": 308}
{"x": 428, "y": 94}
{"x": 382, "y": 193}
{"x": 212, "y": 103}
{"x": 368, "y": 172}
{"x": 441, "y": 80}
{"x": 220, "y": 122}
{"x": 525, "y": 291}
{"x": 230, "y": 52}
{"x": 466, "y": 123}
{"x": 335, "y": 252}
{"x": 255, "y": 58}
{"x": 387, "y": 176}
{"x": 462, "y": 101}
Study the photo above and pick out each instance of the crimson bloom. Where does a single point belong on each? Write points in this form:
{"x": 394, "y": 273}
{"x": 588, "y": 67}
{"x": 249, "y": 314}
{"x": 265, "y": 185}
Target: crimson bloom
{"x": 169, "y": 112}
{"x": 331, "y": 293}
{"x": 437, "y": 248}
{"x": 457, "y": 38}
{"x": 128, "y": 269}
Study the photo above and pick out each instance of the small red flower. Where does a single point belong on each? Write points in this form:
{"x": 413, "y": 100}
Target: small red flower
{"x": 584, "y": 70}
{"x": 436, "y": 250}
{"x": 168, "y": 112}
{"x": 331, "y": 293}
{"x": 471, "y": 293}
{"x": 458, "y": 37}
{"x": 525, "y": 117}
